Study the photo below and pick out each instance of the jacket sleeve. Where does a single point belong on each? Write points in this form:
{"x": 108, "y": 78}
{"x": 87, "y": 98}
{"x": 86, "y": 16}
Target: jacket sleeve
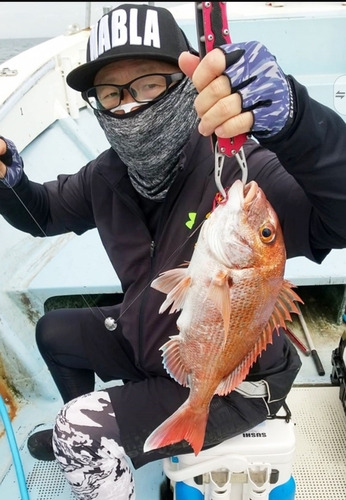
{"x": 313, "y": 152}
{"x": 52, "y": 208}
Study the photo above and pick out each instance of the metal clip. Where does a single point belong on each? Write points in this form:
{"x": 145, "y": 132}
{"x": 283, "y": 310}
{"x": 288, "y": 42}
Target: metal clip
{"x": 241, "y": 159}
{"x": 219, "y": 161}
{"x": 213, "y": 31}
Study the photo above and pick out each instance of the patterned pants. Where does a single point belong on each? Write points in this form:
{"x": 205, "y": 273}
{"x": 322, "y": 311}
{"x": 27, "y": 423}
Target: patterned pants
{"x": 86, "y": 448}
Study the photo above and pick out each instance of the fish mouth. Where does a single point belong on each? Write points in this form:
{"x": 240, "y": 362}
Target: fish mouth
{"x": 250, "y": 191}
{"x": 242, "y": 195}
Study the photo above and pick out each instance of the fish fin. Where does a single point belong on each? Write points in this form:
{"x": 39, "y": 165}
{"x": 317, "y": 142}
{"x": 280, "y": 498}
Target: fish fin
{"x": 288, "y": 297}
{"x": 186, "y": 423}
{"x": 175, "y": 284}
{"x": 185, "y": 263}
{"x": 167, "y": 280}
{"x": 172, "y": 361}
{"x": 218, "y": 292}
{"x": 235, "y": 378}
{"x": 283, "y": 308}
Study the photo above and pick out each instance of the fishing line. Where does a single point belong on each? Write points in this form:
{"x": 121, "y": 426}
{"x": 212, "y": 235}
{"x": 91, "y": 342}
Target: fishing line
{"x": 91, "y": 307}
{"x": 109, "y": 322}
{"x": 23, "y": 204}
{"x": 157, "y": 274}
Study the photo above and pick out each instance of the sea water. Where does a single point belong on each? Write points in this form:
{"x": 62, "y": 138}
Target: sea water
{"x": 10, "y": 47}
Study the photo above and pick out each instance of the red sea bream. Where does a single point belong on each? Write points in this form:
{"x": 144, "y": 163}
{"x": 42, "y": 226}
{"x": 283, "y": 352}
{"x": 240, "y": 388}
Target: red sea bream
{"x": 232, "y": 298}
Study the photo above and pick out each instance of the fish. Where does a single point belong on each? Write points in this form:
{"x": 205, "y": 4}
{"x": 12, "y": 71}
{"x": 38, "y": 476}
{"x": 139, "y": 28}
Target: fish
{"x": 232, "y": 297}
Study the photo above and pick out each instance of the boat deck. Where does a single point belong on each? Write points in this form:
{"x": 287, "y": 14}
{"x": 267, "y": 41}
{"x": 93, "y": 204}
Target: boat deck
{"x": 319, "y": 466}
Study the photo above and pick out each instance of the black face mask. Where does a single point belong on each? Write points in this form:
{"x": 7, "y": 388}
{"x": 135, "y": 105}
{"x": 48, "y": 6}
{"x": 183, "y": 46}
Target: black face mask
{"x": 150, "y": 139}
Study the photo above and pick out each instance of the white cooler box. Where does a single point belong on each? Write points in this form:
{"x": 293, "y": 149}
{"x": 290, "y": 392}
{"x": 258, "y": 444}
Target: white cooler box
{"x": 252, "y": 466}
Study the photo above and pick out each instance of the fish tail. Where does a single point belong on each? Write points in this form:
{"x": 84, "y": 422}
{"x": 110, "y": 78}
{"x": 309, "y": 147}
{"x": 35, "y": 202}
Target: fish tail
{"x": 186, "y": 423}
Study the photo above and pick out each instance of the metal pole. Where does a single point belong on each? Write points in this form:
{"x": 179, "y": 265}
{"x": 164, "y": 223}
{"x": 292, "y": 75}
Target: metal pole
{"x": 87, "y": 14}
{"x": 314, "y": 354}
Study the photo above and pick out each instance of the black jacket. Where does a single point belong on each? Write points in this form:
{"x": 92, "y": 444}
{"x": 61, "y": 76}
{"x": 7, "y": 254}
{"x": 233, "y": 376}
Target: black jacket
{"x": 303, "y": 176}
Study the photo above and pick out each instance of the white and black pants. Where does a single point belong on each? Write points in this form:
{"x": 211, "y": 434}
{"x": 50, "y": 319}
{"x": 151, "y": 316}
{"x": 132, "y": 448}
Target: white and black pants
{"x": 85, "y": 442}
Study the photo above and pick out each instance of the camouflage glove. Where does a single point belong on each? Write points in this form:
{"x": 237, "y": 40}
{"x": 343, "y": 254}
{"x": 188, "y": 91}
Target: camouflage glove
{"x": 254, "y": 73}
{"x": 14, "y": 164}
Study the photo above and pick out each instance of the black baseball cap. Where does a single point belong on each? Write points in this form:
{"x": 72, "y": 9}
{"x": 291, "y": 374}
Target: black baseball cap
{"x": 130, "y": 31}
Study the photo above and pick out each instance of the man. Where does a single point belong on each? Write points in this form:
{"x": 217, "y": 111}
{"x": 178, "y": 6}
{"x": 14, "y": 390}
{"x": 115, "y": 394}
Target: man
{"x": 158, "y": 105}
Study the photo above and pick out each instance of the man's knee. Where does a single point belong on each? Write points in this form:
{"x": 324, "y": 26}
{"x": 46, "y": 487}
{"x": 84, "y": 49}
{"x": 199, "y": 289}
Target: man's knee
{"x": 72, "y": 427}
{"x": 46, "y": 330}
{"x": 57, "y": 328}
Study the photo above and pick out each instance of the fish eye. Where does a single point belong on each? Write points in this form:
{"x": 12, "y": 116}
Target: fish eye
{"x": 267, "y": 233}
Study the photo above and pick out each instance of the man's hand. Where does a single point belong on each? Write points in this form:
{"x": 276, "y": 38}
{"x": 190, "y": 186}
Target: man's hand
{"x": 241, "y": 89}
{"x": 219, "y": 110}
{"x": 11, "y": 164}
